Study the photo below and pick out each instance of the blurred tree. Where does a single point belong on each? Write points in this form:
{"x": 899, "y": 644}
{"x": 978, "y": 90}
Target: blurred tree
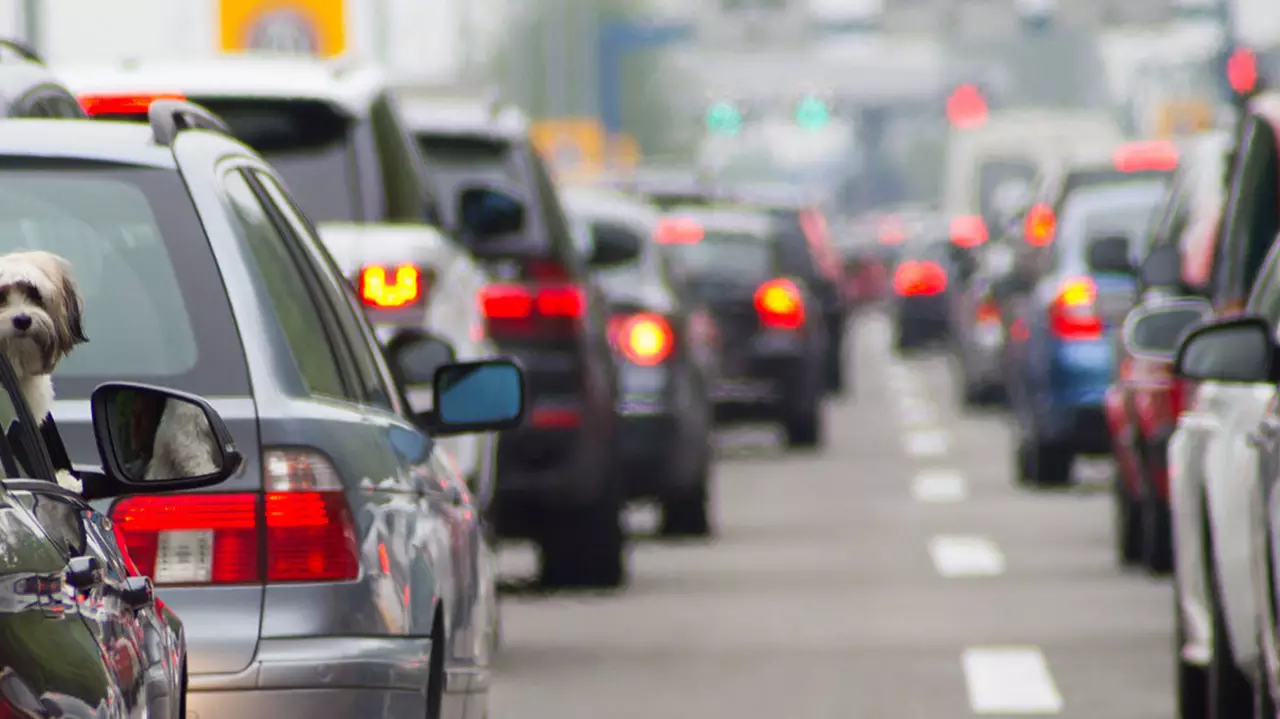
{"x": 653, "y": 92}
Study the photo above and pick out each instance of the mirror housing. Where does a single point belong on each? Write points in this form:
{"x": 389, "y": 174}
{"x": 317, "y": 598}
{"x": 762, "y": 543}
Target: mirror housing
{"x": 471, "y": 397}
{"x": 1110, "y": 253}
{"x": 613, "y": 244}
{"x": 1162, "y": 267}
{"x": 154, "y": 439}
{"x": 417, "y": 355}
{"x": 486, "y": 211}
{"x": 1153, "y": 330}
{"x": 1238, "y": 350}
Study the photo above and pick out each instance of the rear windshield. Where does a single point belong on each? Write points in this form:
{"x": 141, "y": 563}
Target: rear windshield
{"x": 1089, "y": 178}
{"x": 309, "y": 145}
{"x": 731, "y": 255}
{"x": 457, "y": 160}
{"x": 1129, "y": 210}
{"x": 155, "y": 309}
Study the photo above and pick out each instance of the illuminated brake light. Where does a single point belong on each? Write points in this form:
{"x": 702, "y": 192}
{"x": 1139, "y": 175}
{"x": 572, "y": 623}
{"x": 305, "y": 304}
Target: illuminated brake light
{"x": 679, "y": 231}
{"x": 1040, "y": 225}
{"x": 1072, "y": 315}
{"x": 988, "y": 311}
{"x": 302, "y": 520}
{"x": 1155, "y": 156}
{"x": 392, "y": 289}
{"x": 133, "y": 104}
{"x": 780, "y": 305}
{"x": 919, "y": 279}
{"x": 968, "y": 231}
{"x": 520, "y": 310}
{"x": 644, "y": 339}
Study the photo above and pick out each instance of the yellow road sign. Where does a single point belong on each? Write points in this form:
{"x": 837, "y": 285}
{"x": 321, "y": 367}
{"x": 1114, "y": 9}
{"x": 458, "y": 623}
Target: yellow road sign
{"x": 1183, "y": 117}
{"x": 311, "y": 27}
{"x": 570, "y": 143}
{"x": 624, "y": 152}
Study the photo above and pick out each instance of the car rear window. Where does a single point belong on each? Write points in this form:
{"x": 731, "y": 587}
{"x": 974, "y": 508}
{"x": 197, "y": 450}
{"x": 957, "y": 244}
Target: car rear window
{"x": 155, "y": 309}
{"x": 308, "y": 143}
{"x": 733, "y": 255}
{"x": 1128, "y": 209}
{"x": 1089, "y": 178}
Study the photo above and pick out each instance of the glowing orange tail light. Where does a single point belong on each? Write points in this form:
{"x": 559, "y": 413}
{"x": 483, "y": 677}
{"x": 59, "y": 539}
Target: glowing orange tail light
{"x": 988, "y": 311}
{"x": 1040, "y": 225}
{"x": 644, "y": 339}
{"x": 679, "y": 231}
{"x": 1155, "y": 156}
{"x": 1072, "y": 316}
{"x": 919, "y": 279}
{"x": 780, "y": 305}
{"x": 133, "y": 104}
{"x": 392, "y": 289}
{"x": 968, "y": 231}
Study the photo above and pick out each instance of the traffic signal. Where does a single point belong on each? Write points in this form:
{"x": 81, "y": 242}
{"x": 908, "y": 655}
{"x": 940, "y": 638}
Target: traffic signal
{"x": 812, "y": 113}
{"x": 1242, "y": 71}
{"x": 724, "y": 118}
{"x": 966, "y": 107}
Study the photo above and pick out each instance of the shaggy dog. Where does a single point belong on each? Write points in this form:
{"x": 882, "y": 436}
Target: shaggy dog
{"x": 184, "y": 444}
{"x": 40, "y": 323}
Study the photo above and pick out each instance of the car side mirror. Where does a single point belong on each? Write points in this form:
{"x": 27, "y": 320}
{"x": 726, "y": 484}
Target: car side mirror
{"x": 1153, "y": 329}
{"x": 488, "y": 212}
{"x": 1110, "y": 253}
{"x": 153, "y": 439}
{"x": 470, "y": 397}
{"x": 417, "y": 355}
{"x": 1162, "y": 267}
{"x": 1236, "y": 350}
{"x": 613, "y": 245}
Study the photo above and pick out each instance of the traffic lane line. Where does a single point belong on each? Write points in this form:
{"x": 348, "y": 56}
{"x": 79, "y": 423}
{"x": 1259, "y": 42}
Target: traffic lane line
{"x": 922, "y": 444}
{"x": 963, "y": 557}
{"x": 1010, "y": 681}
{"x": 939, "y": 485}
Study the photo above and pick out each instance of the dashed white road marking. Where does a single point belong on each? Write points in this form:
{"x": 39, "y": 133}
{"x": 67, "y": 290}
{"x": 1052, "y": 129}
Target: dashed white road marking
{"x": 1010, "y": 681}
{"x": 939, "y": 485}
{"x": 917, "y": 413}
{"x": 966, "y": 557}
{"x": 926, "y": 443}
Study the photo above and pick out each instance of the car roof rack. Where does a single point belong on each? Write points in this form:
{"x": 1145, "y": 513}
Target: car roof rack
{"x": 170, "y": 117}
{"x": 26, "y": 52}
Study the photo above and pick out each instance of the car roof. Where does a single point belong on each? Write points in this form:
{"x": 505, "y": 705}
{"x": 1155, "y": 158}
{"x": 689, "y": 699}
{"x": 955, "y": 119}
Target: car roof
{"x": 727, "y": 219}
{"x": 596, "y": 200}
{"x": 468, "y": 117}
{"x": 354, "y": 244}
{"x": 347, "y": 85}
{"x": 128, "y": 143}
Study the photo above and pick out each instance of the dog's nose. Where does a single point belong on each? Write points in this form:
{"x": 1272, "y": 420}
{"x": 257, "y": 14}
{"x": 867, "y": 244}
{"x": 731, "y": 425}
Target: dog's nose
{"x": 22, "y": 322}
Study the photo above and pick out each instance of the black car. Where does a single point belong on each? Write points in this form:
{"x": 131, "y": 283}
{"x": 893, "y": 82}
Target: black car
{"x": 28, "y": 89}
{"x": 664, "y": 358}
{"x": 82, "y": 631}
{"x": 555, "y": 483}
{"x": 921, "y": 280}
{"x": 773, "y": 343}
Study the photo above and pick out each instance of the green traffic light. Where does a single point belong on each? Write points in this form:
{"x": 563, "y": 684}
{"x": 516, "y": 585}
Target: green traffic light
{"x": 812, "y": 113}
{"x": 724, "y": 118}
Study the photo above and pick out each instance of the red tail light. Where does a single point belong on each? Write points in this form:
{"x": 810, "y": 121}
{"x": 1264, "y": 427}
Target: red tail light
{"x": 968, "y": 231}
{"x": 1157, "y": 156}
{"x": 988, "y": 311}
{"x": 918, "y": 279}
{"x": 644, "y": 339}
{"x": 1179, "y": 395}
{"x": 1072, "y": 316}
{"x": 302, "y": 521}
{"x": 523, "y": 311}
{"x": 780, "y": 305}
{"x": 391, "y": 288}
{"x": 132, "y": 104}
{"x": 1039, "y": 225}
{"x": 679, "y": 231}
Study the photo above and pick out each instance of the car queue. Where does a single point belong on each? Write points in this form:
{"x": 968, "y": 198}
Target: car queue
{"x": 344, "y": 280}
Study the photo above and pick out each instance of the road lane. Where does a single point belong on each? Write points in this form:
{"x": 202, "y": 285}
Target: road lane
{"x": 820, "y": 597}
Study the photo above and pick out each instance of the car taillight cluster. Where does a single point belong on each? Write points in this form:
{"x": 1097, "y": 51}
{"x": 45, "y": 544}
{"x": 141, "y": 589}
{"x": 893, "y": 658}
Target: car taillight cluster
{"x": 1179, "y": 395}
{"x": 915, "y": 279}
{"x": 300, "y": 529}
{"x": 548, "y": 305}
{"x": 1040, "y": 225}
{"x": 779, "y": 305}
{"x": 988, "y": 311}
{"x": 968, "y": 231}
{"x": 644, "y": 339}
{"x": 1073, "y": 313}
{"x": 383, "y": 287}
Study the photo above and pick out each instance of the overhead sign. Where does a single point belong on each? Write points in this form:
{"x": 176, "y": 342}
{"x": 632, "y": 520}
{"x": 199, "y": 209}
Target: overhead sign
{"x": 570, "y": 144}
{"x": 306, "y": 27}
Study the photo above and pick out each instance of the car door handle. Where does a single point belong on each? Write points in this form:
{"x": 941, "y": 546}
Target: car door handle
{"x": 84, "y": 573}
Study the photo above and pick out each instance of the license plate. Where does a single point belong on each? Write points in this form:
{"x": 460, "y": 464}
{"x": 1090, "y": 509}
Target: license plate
{"x": 743, "y": 389}
{"x": 990, "y": 334}
{"x": 184, "y": 557}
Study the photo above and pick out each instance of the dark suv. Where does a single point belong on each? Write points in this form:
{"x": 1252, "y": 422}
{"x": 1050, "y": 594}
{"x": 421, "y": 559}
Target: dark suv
{"x": 28, "y": 89}
{"x": 555, "y": 479}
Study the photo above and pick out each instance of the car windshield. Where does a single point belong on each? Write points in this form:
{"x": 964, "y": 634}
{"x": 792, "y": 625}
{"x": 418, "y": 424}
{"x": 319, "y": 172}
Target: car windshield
{"x": 154, "y": 309}
{"x": 722, "y": 254}
{"x": 454, "y": 160}
{"x": 1128, "y": 210}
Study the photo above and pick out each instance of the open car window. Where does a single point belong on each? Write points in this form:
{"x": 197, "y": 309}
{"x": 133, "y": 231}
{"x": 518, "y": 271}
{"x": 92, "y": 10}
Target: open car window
{"x": 23, "y": 452}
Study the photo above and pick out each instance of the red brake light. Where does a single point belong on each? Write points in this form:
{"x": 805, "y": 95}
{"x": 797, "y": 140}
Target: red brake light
{"x": 1072, "y": 315}
{"x": 523, "y": 311}
{"x": 644, "y": 339}
{"x": 915, "y": 279}
{"x": 133, "y": 104}
{"x": 1040, "y": 225}
{"x": 1155, "y": 156}
{"x": 988, "y": 311}
{"x": 892, "y": 232}
{"x": 679, "y": 231}
{"x": 968, "y": 231}
{"x": 780, "y": 305}
{"x": 1179, "y": 394}
{"x": 390, "y": 289}
{"x": 303, "y": 522}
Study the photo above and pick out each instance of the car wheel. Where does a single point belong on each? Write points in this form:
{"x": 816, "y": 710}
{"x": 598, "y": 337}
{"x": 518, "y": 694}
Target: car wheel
{"x": 1157, "y": 536}
{"x": 585, "y": 548}
{"x": 1129, "y": 526}
{"x": 1192, "y": 682}
{"x": 804, "y": 427}
{"x": 689, "y": 513}
{"x": 1042, "y": 464}
{"x": 905, "y": 341}
{"x": 1229, "y": 691}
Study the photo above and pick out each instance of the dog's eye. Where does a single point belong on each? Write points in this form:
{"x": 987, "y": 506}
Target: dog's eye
{"x": 32, "y": 293}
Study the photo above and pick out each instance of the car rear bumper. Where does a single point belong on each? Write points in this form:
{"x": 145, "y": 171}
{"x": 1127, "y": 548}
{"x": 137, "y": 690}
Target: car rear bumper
{"x": 1082, "y": 428}
{"x": 335, "y": 677}
{"x": 774, "y": 376}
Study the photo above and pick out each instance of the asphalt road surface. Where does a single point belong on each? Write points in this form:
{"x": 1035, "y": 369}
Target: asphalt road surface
{"x": 897, "y": 574}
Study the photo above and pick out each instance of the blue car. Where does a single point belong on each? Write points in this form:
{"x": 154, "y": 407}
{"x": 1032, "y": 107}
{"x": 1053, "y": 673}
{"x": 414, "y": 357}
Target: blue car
{"x": 1063, "y": 325}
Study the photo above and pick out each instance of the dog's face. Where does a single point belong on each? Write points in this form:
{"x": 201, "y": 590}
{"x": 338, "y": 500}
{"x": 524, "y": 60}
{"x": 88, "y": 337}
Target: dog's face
{"x": 40, "y": 311}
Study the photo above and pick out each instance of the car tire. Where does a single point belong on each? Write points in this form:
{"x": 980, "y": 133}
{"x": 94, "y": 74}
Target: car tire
{"x": 1128, "y": 525}
{"x": 688, "y": 513}
{"x": 804, "y": 427}
{"x": 1043, "y": 464}
{"x": 585, "y": 548}
{"x": 1157, "y": 536}
{"x": 1191, "y": 682}
{"x": 905, "y": 341}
